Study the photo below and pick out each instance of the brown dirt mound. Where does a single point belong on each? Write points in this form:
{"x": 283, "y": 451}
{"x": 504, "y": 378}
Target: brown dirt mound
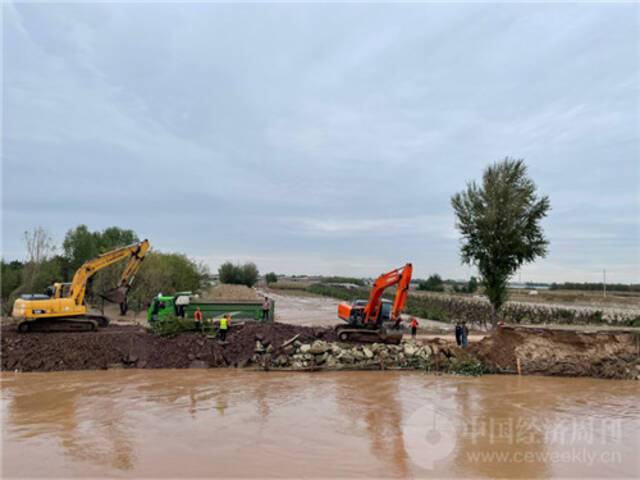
{"x": 561, "y": 352}
{"x": 132, "y": 346}
{"x": 224, "y": 292}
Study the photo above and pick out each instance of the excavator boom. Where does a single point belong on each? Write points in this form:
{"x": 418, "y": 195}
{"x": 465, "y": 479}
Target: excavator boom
{"x": 399, "y": 276}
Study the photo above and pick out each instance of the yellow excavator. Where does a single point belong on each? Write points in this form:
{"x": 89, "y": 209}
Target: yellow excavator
{"x": 63, "y": 307}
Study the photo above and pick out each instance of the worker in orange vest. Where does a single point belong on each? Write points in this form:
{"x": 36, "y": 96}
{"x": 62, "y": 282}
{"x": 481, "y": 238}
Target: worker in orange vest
{"x": 197, "y": 317}
{"x": 414, "y": 327}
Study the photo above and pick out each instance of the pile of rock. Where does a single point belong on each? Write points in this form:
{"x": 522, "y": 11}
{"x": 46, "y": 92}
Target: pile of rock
{"x": 322, "y": 355}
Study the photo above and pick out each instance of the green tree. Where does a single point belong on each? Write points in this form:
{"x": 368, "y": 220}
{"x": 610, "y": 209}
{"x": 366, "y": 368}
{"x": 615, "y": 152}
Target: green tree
{"x": 11, "y": 279}
{"x": 271, "y": 277}
{"x": 432, "y": 284}
{"x": 472, "y": 286}
{"x": 228, "y": 273}
{"x": 249, "y": 274}
{"x": 500, "y": 224}
{"x": 80, "y": 244}
{"x": 246, "y": 274}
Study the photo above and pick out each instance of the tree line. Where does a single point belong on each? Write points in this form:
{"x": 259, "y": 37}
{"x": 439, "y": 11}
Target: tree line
{"x": 613, "y": 287}
{"x": 435, "y": 283}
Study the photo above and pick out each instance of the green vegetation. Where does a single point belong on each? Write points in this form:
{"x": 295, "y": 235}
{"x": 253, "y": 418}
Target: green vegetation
{"x": 432, "y": 284}
{"x": 355, "y": 281}
{"x": 467, "y": 366}
{"x": 271, "y": 277}
{"x": 470, "y": 287}
{"x": 171, "y": 325}
{"x": 289, "y": 285}
{"x": 599, "y": 287}
{"x": 237, "y": 274}
{"x": 500, "y": 225}
{"x": 80, "y": 244}
{"x": 341, "y": 293}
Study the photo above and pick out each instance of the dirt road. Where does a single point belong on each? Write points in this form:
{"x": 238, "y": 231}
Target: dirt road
{"x": 315, "y": 311}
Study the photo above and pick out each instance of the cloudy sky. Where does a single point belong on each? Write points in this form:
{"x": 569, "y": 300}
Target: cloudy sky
{"x": 323, "y": 139}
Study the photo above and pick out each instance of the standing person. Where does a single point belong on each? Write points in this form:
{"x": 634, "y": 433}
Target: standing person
{"x": 266, "y": 304}
{"x": 465, "y": 335}
{"x": 414, "y": 327}
{"x": 224, "y": 327}
{"x": 197, "y": 317}
{"x": 458, "y": 334}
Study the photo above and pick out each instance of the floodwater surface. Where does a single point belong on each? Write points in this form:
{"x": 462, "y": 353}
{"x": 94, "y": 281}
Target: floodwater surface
{"x": 227, "y": 423}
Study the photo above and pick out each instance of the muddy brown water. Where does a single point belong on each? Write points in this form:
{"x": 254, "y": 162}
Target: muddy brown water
{"x": 226, "y": 423}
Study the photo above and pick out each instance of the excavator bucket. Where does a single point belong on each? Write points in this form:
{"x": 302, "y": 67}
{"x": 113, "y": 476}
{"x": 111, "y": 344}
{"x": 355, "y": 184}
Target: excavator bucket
{"x": 116, "y": 295}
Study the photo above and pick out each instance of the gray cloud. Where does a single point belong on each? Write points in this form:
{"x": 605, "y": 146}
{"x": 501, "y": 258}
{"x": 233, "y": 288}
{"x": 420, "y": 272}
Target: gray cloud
{"x": 322, "y": 138}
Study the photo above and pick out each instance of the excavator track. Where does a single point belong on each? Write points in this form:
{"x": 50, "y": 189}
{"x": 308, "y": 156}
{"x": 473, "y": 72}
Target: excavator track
{"x": 365, "y": 335}
{"x": 88, "y": 323}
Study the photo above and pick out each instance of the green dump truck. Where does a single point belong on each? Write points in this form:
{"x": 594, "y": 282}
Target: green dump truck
{"x": 184, "y": 304}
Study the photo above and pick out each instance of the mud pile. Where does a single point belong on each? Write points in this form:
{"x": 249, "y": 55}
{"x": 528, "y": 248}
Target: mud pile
{"x": 561, "y": 352}
{"x": 133, "y": 346}
{"x": 227, "y": 293}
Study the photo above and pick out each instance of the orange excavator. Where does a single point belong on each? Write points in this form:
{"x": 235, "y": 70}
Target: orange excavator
{"x": 367, "y": 318}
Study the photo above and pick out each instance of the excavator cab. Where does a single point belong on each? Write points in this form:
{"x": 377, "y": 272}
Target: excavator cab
{"x": 58, "y": 290}
{"x": 354, "y": 314}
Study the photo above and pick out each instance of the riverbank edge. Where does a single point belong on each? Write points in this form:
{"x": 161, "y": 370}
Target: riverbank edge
{"x": 282, "y": 347}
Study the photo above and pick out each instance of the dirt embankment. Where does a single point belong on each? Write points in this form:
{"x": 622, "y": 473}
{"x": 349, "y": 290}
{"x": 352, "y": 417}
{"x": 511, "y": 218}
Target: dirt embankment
{"x": 291, "y": 347}
{"x": 131, "y": 346}
{"x": 541, "y": 351}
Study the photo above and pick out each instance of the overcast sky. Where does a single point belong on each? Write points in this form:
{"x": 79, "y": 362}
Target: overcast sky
{"x": 322, "y": 138}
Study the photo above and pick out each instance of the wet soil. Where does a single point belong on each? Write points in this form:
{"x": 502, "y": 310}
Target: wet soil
{"x": 610, "y": 354}
{"x": 132, "y": 346}
{"x": 539, "y": 351}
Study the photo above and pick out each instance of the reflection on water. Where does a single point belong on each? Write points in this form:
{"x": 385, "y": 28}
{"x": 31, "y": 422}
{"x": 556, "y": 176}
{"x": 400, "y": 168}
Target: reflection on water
{"x": 226, "y": 423}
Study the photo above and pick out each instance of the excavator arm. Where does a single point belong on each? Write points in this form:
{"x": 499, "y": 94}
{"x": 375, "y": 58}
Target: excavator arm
{"x": 399, "y": 276}
{"x": 137, "y": 252}
{"x": 119, "y": 293}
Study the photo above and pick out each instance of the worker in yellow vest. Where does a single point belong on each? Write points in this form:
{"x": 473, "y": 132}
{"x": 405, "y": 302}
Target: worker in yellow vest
{"x": 224, "y": 326}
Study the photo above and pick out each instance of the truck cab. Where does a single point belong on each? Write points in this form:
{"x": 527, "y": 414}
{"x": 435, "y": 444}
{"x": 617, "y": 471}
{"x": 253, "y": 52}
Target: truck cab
{"x": 163, "y": 306}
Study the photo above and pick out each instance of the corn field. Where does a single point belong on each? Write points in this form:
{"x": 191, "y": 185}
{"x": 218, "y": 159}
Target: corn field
{"x": 448, "y": 308}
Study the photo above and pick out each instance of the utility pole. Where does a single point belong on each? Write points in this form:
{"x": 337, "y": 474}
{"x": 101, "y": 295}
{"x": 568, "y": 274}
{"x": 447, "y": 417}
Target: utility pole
{"x": 604, "y": 282}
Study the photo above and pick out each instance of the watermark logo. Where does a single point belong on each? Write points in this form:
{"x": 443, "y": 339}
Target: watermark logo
{"x": 429, "y": 436}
